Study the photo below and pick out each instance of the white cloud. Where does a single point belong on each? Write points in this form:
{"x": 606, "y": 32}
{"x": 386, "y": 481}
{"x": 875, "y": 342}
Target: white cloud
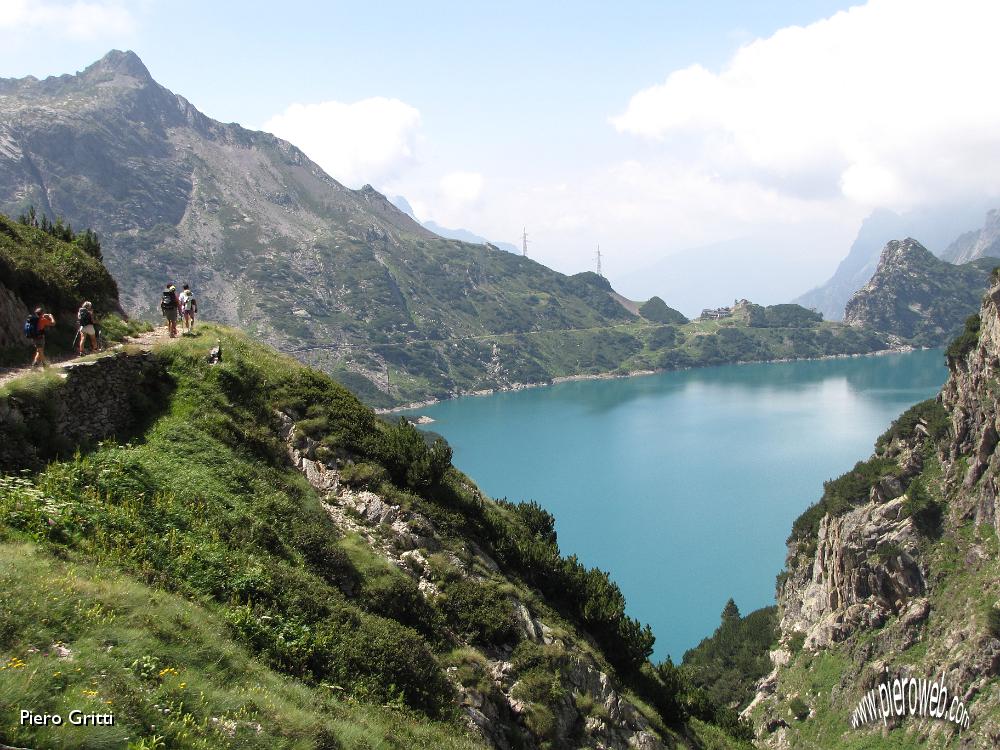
{"x": 461, "y": 188}
{"x": 73, "y": 20}
{"x": 371, "y": 140}
{"x": 885, "y": 104}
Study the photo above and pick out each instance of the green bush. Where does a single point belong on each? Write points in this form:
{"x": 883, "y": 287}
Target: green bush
{"x": 966, "y": 341}
{"x": 993, "y": 621}
{"x": 363, "y": 475}
{"x": 479, "y": 611}
{"x": 798, "y": 708}
{"x": 926, "y": 513}
{"x": 409, "y": 460}
{"x": 729, "y": 662}
{"x": 887, "y": 551}
{"x": 796, "y": 642}
{"x": 840, "y": 494}
{"x": 663, "y": 337}
{"x": 930, "y": 413}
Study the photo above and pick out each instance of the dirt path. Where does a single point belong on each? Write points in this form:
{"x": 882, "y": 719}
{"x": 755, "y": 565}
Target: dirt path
{"x": 145, "y": 341}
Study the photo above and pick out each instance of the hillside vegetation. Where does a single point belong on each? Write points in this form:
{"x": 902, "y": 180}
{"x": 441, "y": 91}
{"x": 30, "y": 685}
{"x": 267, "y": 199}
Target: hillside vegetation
{"x": 146, "y": 575}
{"x": 58, "y": 271}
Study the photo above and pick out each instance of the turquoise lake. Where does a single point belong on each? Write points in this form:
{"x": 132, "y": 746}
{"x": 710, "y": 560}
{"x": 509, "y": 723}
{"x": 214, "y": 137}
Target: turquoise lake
{"x": 684, "y": 485}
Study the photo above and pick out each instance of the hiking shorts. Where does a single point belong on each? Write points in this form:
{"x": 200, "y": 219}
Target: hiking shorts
{"x": 170, "y": 313}
{"x": 38, "y": 342}
{"x": 88, "y": 330}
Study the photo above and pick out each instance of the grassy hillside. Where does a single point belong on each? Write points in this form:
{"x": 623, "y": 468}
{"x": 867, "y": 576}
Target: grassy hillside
{"x": 40, "y": 269}
{"x": 44, "y": 270}
{"x": 148, "y": 574}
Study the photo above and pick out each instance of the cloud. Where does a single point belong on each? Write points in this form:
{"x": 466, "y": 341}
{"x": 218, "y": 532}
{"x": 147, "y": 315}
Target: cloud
{"x": 886, "y": 104}
{"x": 371, "y": 140}
{"x": 74, "y": 20}
{"x": 461, "y": 188}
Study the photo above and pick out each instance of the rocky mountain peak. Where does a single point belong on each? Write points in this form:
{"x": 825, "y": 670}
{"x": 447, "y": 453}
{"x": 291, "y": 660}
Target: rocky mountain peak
{"x": 904, "y": 251}
{"x": 119, "y": 63}
{"x": 915, "y": 295}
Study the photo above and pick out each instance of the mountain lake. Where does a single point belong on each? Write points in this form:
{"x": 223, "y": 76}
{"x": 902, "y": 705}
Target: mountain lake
{"x": 684, "y": 485}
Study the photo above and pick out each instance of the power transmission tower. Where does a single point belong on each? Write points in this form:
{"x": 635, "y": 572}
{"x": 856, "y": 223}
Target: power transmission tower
{"x": 524, "y": 242}
{"x": 599, "y": 273}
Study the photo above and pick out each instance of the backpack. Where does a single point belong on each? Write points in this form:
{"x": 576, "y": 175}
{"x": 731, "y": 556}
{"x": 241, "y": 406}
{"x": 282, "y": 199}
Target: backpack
{"x": 31, "y": 326}
{"x": 169, "y": 301}
{"x": 84, "y": 317}
{"x": 189, "y": 303}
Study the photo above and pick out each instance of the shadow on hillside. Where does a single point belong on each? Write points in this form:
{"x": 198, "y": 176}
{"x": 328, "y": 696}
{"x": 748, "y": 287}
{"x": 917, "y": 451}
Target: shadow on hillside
{"x": 47, "y": 416}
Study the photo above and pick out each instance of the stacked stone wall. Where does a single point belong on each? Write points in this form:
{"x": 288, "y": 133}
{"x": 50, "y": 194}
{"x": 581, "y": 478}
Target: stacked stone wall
{"x": 92, "y": 400}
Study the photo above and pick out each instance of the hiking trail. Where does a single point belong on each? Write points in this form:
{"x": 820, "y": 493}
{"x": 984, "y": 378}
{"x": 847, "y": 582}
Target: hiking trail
{"x": 145, "y": 341}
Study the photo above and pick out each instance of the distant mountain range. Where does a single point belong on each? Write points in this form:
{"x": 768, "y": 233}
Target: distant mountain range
{"x": 936, "y": 228}
{"x": 979, "y": 243}
{"x": 452, "y": 234}
{"x": 341, "y": 278}
{"x": 917, "y": 296}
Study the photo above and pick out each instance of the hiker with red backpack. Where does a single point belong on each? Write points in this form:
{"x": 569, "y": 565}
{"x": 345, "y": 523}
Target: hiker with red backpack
{"x": 168, "y": 306}
{"x": 34, "y": 329}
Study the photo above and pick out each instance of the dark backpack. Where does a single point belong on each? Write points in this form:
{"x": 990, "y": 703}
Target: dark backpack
{"x": 169, "y": 301}
{"x": 31, "y": 326}
{"x": 83, "y": 317}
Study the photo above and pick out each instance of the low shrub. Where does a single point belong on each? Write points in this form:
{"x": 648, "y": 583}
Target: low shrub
{"x": 993, "y": 621}
{"x": 966, "y": 341}
{"x": 926, "y": 513}
{"x": 479, "y": 611}
{"x": 798, "y": 708}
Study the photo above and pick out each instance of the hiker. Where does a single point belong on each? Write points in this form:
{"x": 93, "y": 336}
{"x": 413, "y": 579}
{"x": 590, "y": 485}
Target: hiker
{"x": 34, "y": 329}
{"x": 88, "y": 327}
{"x": 168, "y": 305}
{"x": 189, "y": 306}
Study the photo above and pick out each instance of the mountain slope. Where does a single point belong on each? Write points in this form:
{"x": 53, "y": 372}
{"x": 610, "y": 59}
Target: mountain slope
{"x": 340, "y": 278}
{"x": 270, "y": 242}
{"x": 979, "y": 243}
{"x": 918, "y": 297}
{"x": 255, "y": 519}
{"x": 895, "y": 573}
{"x": 935, "y": 226}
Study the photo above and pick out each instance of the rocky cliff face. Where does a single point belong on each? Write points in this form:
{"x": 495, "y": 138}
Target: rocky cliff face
{"x": 904, "y": 580}
{"x": 979, "y": 243}
{"x": 917, "y": 297}
{"x": 274, "y": 245}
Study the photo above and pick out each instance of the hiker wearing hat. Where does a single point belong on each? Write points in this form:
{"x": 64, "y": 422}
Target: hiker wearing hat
{"x": 85, "y": 319}
{"x": 168, "y": 305}
{"x": 34, "y": 329}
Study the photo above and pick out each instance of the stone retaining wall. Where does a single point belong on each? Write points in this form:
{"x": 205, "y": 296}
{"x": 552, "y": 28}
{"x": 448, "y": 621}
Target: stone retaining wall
{"x": 96, "y": 399}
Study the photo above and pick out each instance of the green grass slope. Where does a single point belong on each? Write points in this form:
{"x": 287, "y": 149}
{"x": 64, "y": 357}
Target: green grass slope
{"x": 39, "y": 269}
{"x": 192, "y": 578}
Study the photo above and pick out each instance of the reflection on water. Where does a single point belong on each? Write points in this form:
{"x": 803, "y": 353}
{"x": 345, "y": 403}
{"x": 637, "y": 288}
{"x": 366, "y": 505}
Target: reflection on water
{"x": 684, "y": 485}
